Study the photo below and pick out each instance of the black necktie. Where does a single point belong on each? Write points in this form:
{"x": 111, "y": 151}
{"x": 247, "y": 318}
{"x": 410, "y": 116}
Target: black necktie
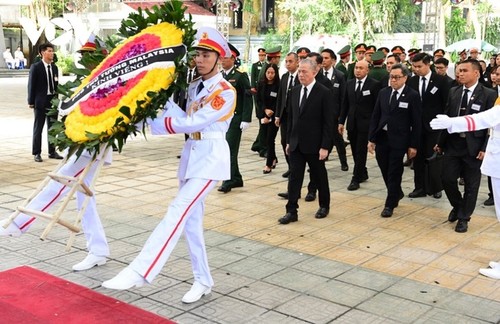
{"x": 326, "y": 74}
{"x": 200, "y": 87}
{"x": 224, "y": 74}
{"x": 190, "y": 76}
{"x": 394, "y": 99}
{"x": 358, "y": 89}
{"x": 463, "y": 104}
{"x": 51, "y": 80}
{"x": 423, "y": 88}
{"x": 303, "y": 100}
{"x": 290, "y": 86}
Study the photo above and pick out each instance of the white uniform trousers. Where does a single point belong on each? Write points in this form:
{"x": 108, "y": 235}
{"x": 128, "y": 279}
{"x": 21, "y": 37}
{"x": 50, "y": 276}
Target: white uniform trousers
{"x": 185, "y": 214}
{"x": 55, "y": 191}
{"x": 495, "y": 184}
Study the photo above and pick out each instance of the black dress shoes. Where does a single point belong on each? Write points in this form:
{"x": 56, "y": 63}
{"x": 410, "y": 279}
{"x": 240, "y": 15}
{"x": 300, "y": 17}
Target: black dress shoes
{"x": 387, "y": 212}
{"x": 236, "y": 184}
{"x": 288, "y": 218}
{"x": 310, "y": 196}
{"x": 417, "y": 193}
{"x": 38, "y": 158}
{"x": 283, "y": 195}
{"x": 461, "y": 226}
{"x": 452, "y": 216}
{"x": 224, "y": 189}
{"x": 438, "y": 195}
{"x": 286, "y": 174}
{"x": 322, "y": 212}
{"x": 489, "y": 201}
{"x": 344, "y": 167}
{"x": 354, "y": 185}
{"x": 55, "y": 156}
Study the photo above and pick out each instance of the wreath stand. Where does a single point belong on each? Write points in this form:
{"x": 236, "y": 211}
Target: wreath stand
{"x": 75, "y": 184}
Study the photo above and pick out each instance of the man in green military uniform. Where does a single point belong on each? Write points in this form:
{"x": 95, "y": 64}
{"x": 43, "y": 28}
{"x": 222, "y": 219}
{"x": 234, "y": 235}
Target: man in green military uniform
{"x": 359, "y": 51}
{"x": 259, "y": 145}
{"x": 378, "y": 71}
{"x": 241, "y": 119}
{"x": 345, "y": 57}
{"x": 256, "y": 68}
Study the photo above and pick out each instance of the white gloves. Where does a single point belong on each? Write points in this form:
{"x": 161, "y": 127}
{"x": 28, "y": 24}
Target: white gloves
{"x": 244, "y": 125}
{"x": 441, "y": 122}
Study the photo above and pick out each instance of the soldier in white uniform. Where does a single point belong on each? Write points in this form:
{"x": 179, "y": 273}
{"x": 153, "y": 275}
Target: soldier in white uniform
{"x": 205, "y": 160}
{"x": 53, "y": 192}
{"x": 491, "y": 162}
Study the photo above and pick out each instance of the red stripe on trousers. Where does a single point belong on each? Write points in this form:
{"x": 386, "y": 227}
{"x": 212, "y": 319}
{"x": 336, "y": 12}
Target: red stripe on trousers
{"x": 175, "y": 229}
{"x": 50, "y": 202}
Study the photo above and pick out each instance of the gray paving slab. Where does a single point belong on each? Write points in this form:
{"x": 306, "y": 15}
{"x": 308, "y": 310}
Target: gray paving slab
{"x": 312, "y": 309}
{"x": 342, "y": 293}
{"x": 361, "y": 317}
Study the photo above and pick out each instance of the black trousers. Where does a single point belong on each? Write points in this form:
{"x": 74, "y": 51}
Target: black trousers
{"x": 359, "y": 148}
{"x": 470, "y": 167}
{"x": 271, "y": 133}
{"x": 319, "y": 175}
{"x": 338, "y": 142}
{"x": 428, "y": 141}
{"x": 390, "y": 162}
{"x": 283, "y": 130}
{"x": 41, "y": 116}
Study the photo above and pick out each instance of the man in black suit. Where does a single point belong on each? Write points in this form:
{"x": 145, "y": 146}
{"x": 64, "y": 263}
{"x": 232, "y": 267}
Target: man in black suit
{"x": 465, "y": 151}
{"x": 433, "y": 89}
{"x": 287, "y": 82}
{"x": 42, "y": 85}
{"x": 338, "y": 80}
{"x": 310, "y": 128}
{"x": 395, "y": 131}
{"x": 361, "y": 95}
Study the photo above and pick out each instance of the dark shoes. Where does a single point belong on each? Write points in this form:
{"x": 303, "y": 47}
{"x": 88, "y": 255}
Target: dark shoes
{"x": 387, "y": 212}
{"x": 38, "y": 158}
{"x": 462, "y": 226}
{"x": 55, "y": 156}
{"x": 283, "y": 195}
{"x": 489, "y": 201}
{"x": 286, "y": 174}
{"x": 227, "y": 186}
{"x": 344, "y": 167}
{"x": 310, "y": 196}
{"x": 452, "y": 216}
{"x": 322, "y": 212}
{"x": 288, "y": 218}
{"x": 438, "y": 195}
{"x": 354, "y": 185}
{"x": 417, "y": 193}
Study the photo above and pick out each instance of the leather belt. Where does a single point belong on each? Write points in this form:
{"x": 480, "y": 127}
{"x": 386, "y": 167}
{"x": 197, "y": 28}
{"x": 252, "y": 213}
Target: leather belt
{"x": 197, "y": 136}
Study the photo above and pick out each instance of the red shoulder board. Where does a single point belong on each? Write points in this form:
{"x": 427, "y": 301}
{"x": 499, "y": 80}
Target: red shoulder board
{"x": 224, "y": 85}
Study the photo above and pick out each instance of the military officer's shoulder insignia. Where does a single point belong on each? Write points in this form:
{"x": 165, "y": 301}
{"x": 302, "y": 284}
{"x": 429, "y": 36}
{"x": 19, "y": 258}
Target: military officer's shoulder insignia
{"x": 224, "y": 85}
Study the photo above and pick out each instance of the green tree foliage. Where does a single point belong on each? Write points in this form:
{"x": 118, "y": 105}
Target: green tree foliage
{"x": 456, "y": 27}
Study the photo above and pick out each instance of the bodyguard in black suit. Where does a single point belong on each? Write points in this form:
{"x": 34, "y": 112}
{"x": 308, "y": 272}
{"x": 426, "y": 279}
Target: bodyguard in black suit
{"x": 310, "y": 128}
{"x": 395, "y": 131}
{"x": 42, "y": 85}
{"x": 358, "y": 108}
{"x": 287, "y": 82}
{"x": 464, "y": 151}
{"x": 433, "y": 89}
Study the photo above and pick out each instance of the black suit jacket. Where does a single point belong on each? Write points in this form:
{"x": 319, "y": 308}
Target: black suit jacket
{"x": 38, "y": 86}
{"x": 404, "y": 122}
{"x": 359, "y": 110}
{"x": 338, "y": 81}
{"x": 482, "y": 98}
{"x": 283, "y": 100}
{"x": 311, "y": 129}
{"x": 434, "y": 99}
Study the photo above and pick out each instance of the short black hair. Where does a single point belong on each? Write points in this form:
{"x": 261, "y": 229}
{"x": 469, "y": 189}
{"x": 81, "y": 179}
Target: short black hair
{"x": 329, "y": 51}
{"x": 421, "y": 57}
{"x": 475, "y": 64}
{"x": 316, "y": 56}
{"x": 403, "y": 68}
{"x": 396, "y": 57}
{"x": 44, "y": 47}
{"x": 442, "y": 60}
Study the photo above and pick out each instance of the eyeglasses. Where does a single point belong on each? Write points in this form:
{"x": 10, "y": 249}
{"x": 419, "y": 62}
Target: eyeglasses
{"x": 396, "y": 77}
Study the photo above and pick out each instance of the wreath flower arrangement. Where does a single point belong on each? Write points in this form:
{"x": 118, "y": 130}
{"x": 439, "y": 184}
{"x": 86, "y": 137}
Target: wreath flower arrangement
{"x": 132, "y": 83}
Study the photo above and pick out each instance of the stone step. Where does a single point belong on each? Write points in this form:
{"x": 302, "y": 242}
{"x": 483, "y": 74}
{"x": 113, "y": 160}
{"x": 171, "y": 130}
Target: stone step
{"x": 7, "y": 73}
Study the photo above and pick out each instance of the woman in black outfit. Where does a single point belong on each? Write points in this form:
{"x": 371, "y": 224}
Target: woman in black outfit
{"x": 267, "y": 94}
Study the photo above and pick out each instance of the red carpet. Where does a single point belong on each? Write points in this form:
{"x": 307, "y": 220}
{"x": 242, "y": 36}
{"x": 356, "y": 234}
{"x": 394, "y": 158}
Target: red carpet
{"x": 28, "y": 295}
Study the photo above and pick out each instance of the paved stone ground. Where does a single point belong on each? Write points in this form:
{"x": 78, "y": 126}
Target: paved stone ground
{"x": 351, "y": 267}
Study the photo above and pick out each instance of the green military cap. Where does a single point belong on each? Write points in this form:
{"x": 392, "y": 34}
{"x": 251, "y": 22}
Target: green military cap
{"x": 439, "y": 52}
{"x": 370, "y": 49}
{"x": 360, "y": 47}
{"x": 384, "y": 49}
{"x": 397, "y": 50}
{"x": 413, "y": 51}
{"x": 378, "y": 58}
{"x": 274, "y": 52}
{"x": 303, "y": 51}
{"x": 345, "y": 51}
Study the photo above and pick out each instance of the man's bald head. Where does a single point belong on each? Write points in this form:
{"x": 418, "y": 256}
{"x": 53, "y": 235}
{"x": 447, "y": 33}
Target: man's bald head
{"x": 361, "y": 69}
